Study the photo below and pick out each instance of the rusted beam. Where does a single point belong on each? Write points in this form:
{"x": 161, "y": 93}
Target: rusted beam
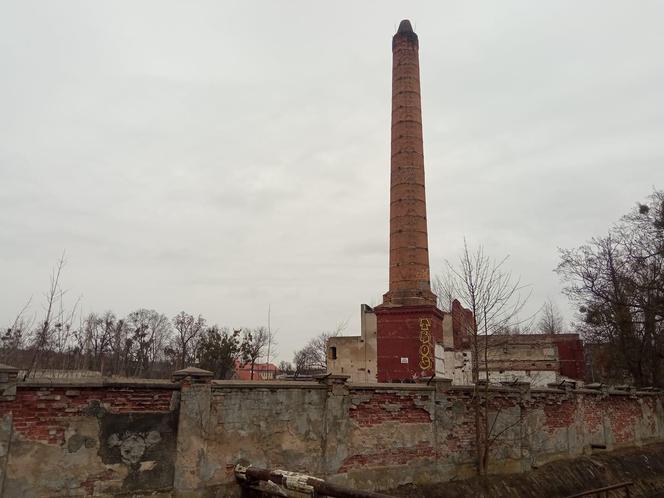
{"x": 595, "y": 491}
{"x": 300, "y": 482}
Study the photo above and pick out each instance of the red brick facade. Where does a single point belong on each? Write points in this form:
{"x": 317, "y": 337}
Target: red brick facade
{"x": 409, "y": 250}
{"x": 408, "y": 322}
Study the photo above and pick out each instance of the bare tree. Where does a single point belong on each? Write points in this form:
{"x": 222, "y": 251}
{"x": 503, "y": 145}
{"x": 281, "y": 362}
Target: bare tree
{"x": 13, "y": 339}
{"x": 150, "y": 331}
{"x": 187, "y": 329}
{"x": 496, "y": 298}
{"x": 313, "y": 356}
{"x": 551, "y": 320}
{"x": 285, "y": 367}
{"x": 254, "y": 346}
{"x": 94, "y": 339}
{"x": 302, "y": 362}
{"x": 120, "y": 347}
{"x": 55, "y": 329}
{"x": 444, "y": 286}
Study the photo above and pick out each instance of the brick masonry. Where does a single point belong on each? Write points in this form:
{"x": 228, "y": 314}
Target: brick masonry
{"x": 114, "y": 439}
{"x": 383, "y": 436}
{"x": 97, "y": 439}
{"x": 44, "y": 413}
{"x": 409, "y": 249}
{"x": 406, "y": 347}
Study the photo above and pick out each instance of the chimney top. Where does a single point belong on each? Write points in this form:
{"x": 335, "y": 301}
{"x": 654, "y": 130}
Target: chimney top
{"x": 405, "y": 27}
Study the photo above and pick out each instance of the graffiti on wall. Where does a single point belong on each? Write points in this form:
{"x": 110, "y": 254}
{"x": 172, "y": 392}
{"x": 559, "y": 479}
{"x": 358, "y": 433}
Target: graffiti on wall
{"x": 426, "y": 346}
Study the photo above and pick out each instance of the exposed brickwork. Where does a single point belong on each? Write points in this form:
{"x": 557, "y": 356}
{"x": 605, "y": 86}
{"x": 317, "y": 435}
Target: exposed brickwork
{"x": 41, "y": 413}
{"x": 409, "y": 252}
{"x": 93, "y": 481}
{"x": 559, "y": 413}
{"x": 459, "y": 438}
{"x": 384, "y": 434}
{"x": 405, "y": 350}
{"x": 389, "y": 457}
{"x": 623, "y": 414}
{"x": 463, "y": 325}
{"x": 592, "y": 414}
{"x": 390, "y": 407}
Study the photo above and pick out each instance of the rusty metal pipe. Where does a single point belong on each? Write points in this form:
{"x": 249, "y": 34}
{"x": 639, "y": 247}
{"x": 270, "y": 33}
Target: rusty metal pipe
{"x": 621, "y": 485}
{"x": 300, "y": 482}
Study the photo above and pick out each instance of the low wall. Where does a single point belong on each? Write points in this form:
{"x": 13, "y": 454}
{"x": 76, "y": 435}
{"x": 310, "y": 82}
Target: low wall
{"x": 183, "y": 439}
{"x": 383, "y": 436}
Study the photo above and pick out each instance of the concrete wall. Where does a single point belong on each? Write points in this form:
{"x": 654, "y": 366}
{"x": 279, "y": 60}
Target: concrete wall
{"x": 383, "y": 436}
{"x": 184, "y": 439}
{"x": 561, "y": 354}
{"x": 534, "y": 377}
{"x": 355, "y": 356}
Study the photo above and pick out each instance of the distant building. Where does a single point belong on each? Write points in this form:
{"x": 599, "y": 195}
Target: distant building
{"x": 540, "y": 359}
{"x": 356, "y": 356}
{"x": 262, "y": 371}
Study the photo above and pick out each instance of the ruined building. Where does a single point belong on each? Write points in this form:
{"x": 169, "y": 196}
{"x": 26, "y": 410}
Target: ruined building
{"x": 406, "y": 337}
{"x": 540, "y": 359}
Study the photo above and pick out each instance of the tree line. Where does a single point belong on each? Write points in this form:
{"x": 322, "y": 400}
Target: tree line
{"x": 144, "y": 343}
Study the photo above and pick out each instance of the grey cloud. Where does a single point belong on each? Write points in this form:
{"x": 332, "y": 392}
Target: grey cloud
{"x": 221, "y": 158}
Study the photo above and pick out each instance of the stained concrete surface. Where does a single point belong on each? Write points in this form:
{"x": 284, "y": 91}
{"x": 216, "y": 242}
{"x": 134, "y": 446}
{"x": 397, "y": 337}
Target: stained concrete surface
{"x": 643, "y": 466}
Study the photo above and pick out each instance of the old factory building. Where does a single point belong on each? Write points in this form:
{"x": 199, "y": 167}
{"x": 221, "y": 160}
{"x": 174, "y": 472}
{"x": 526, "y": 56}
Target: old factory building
{"x": 408, "y": 337}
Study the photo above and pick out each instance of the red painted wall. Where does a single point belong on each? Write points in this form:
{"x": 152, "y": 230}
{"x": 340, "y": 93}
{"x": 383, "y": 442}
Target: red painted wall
{"x": 407, "y": 332}
{"x": 570, "y": 355}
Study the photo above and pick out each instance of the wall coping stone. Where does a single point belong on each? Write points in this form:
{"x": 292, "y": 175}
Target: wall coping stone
{"x": 82, "y": 383}
{"x": 552, "y": 390}
{"x": 262, "y": 384}
{"x": 196, "y": 375}
{"x": 481, "y": 387}
{"x": 387, "y": 386}
{"x": 332, "y": 378}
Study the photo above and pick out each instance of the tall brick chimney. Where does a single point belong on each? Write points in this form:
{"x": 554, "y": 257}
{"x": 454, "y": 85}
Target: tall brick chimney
{"x": 409, "y": 251}
{"x": 409, "y": 326}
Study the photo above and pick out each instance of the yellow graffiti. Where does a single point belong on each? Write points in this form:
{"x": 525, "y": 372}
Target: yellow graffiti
{"x": 426, "y": 360}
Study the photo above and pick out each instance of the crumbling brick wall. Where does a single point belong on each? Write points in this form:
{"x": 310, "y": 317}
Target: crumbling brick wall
{"x": 82, "y": 439}
{"x": 132, "y": 439}
{"x": 383, "y": 436}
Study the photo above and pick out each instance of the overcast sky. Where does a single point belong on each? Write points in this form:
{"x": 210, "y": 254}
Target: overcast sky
{"x": 223, "y": 157}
